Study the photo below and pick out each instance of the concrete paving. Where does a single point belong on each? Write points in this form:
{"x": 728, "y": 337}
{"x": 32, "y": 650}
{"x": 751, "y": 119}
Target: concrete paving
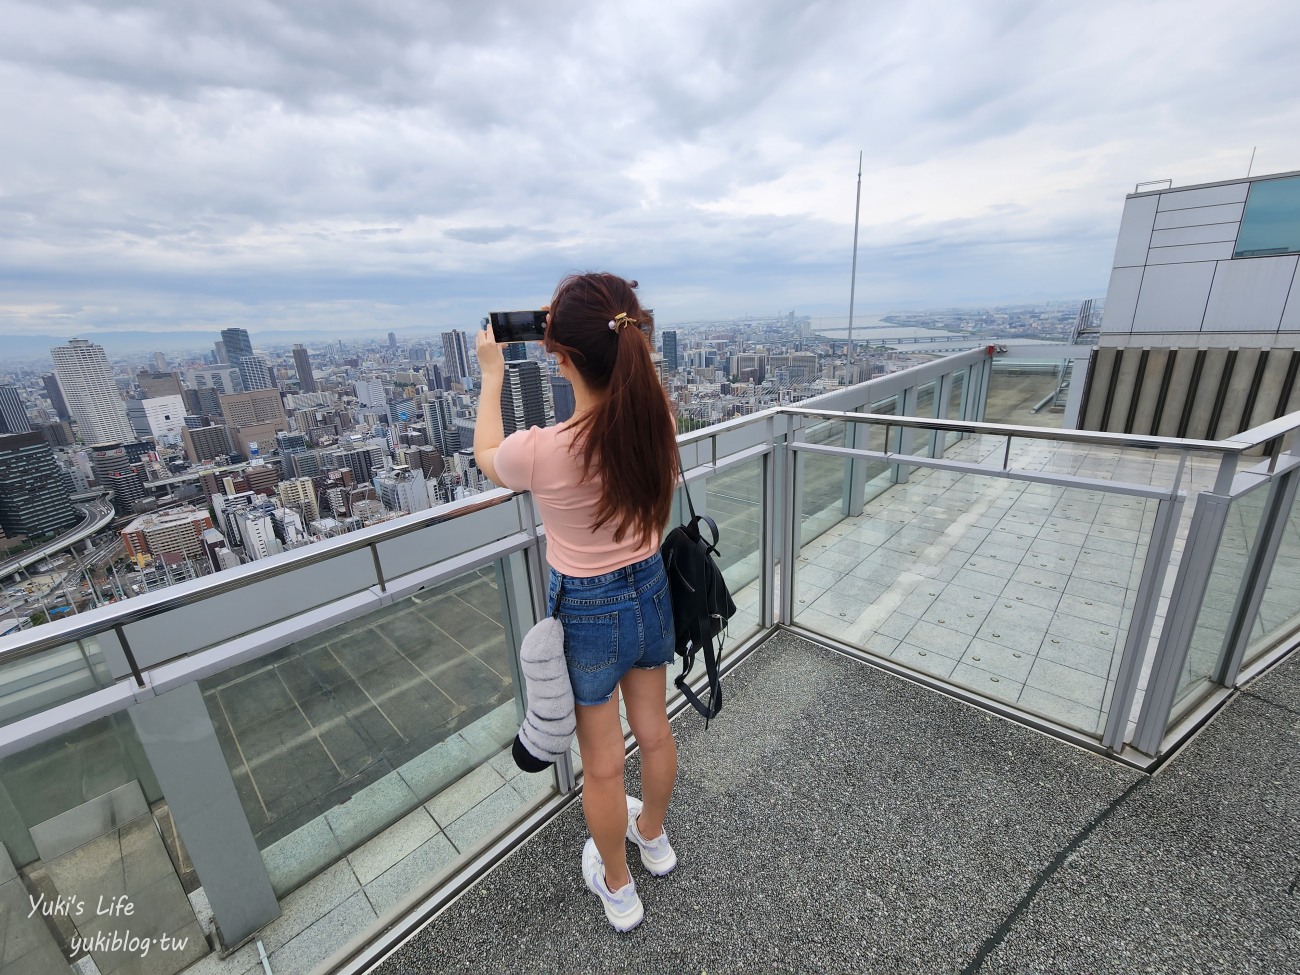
{"x": 836, "y": 818}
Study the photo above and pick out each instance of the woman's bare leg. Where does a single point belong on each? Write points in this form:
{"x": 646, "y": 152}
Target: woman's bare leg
{"x": 600, "y": 741}
{"x": 643, "y": 693}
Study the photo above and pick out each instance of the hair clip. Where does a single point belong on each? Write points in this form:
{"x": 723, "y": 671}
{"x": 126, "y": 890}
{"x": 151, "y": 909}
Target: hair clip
{"x": 620, "y": 320}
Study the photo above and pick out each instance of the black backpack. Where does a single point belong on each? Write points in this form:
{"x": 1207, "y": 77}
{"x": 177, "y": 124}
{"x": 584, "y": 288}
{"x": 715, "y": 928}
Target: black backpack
{"x": 701, "y": 603}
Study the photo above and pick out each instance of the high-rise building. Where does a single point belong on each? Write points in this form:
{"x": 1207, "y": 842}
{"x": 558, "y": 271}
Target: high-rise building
{"x": 563, "y": 398}
{"x": 219, "y": 352}
{"x": 33, "y": 497}
{"x": 158, "y": 383}
{"x": 236, "y": 343}
{"x": 455, "y": 356}
{"x": 392, "y": 340}
{"x": 55, "y": 394}
{"x": 300, "y": 495}
{"x": 526, "y": 398}
{"x": 255, "y": 372}
{"x": 178, "y": 531}
{"x": 115, "y": 472}
{"x": 206, "y": 443}
{"x": 370, "y": 392}
{"x": 89, "y": 390}
{"x": 671, "y": 361}
{"x": 254, "y": 417}
{"x": 402, "y": 489}
{"x": 224, "y": 379}
{"x": 515, "y": 352}
{"x": 13, "y": 415}
{"x": 1200, "y": 336}
{"x": 302, "y": 363}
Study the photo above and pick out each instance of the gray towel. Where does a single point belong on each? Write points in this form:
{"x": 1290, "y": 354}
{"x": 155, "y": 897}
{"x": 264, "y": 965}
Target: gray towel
{"x": 548, "y": 723}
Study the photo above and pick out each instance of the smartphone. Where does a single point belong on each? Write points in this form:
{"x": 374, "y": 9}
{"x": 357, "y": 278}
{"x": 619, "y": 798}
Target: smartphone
{"x": 518, "y": 326}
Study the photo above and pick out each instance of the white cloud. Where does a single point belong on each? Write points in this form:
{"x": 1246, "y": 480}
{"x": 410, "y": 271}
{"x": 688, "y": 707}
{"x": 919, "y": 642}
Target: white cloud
{"x": 409, "y": 163}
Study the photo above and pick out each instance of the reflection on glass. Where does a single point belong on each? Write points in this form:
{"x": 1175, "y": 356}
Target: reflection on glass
{"x": 1279, "y": 610}
{"x": 1017, "y": 388}
{"x": 1214, "y": 616}
{"x": 43, "y": 680}
{"x": 1018, "y": 591}
{"x": 735, "y": 500}
{"x": 333, "y": 738}
{"x": 1271, "y": 221}
{"x": 956, "y": 406}
{"x": 824, "y": 478}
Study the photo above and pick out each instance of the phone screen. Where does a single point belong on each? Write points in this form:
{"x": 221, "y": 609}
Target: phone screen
{"x": 518, "y": 326}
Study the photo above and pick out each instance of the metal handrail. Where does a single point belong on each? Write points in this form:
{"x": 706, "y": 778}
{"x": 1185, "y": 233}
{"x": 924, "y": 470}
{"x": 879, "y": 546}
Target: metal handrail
{"x": 204, "y": 587}
{"x": 1008, "y": 430}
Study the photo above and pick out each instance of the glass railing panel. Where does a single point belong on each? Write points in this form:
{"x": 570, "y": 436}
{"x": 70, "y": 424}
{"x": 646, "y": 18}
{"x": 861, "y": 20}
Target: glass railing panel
{"x": 33, "y": 683}
{"x": 1279, "y": 610}
{"x": 406, "y": 711}
{"x": 1020, "y": 393}
{"x": 954, "y": 408}
{"x": 86, "y": 823}
{"x": 1018, "y": 591}
{"x": 925, "y": 398}
{"x": 1240, "y": 530}
{"x": 824, "y": 479}
{"x": 735, "y": 500}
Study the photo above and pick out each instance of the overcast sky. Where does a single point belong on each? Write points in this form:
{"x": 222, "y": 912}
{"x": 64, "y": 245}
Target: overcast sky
{"x": 409, "y": 164}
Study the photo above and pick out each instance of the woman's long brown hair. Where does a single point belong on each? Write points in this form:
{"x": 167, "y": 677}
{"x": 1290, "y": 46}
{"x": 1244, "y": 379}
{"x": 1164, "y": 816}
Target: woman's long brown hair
{"x": 628, "y": 440}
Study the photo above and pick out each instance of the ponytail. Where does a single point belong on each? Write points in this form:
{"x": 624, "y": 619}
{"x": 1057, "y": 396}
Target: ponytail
{"x": 628, "y": 440}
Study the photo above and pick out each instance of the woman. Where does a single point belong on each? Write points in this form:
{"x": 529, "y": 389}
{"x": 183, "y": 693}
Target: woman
{"x": 603, "y": 483}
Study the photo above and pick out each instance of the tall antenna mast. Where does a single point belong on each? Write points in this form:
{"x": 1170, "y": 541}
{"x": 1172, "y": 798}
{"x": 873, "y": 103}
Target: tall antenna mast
{"x": 1252, "y": 160}
{"x": 853, "y": 282}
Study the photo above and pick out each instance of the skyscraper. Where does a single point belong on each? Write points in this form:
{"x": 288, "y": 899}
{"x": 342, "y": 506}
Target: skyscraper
{"x": 671, "y": 362}
{"x": 89, "y": 390}
{"x": 515, "y": 352}
{"x": 255, "y": 373}
{"x": 33, "y": 498}
{"x": 392, "y": 340}
{"x": 13, "y": 415}
{"x": 455, "y": 356}
{"x": 526, "y": 398}
{"x": 56, "y": 396}
{"x": 114, "y": 471}
{"x": 302, "y": 363}
{"x": 236, "y": 343}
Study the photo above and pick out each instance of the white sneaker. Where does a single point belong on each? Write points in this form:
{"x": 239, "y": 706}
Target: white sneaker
{"x": 657, "y": 854}
{"x": 622, "y": 907}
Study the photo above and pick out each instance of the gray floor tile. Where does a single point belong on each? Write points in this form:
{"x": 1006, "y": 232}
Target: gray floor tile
{"x": 986, "y": 683}
{"x": 938, "y": 639}
{"x": 326, "y": 936}
{"x": 418, "y": 871}
{"x": 924, "y": 660}
{"x": 994, "y": 658}
{"x": 454, "y": 801}
{"x": 397, "y": 841}
{"x": 486, "y": 818}
{"x": 1068, "y": 683}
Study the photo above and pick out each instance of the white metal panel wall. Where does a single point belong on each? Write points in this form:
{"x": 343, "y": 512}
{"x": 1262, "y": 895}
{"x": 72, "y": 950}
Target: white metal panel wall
{"x": 1173, "y": 297}
{"x": 1291, "y": 315}
{"x": 1204, "y": 196}
{"x": 1197, "y": 216}
{"x": 1135, "y": 231}
{"x": 1121, "y": 299}
{"x": 1190, "y": 253}
{"x": 1201, "y": 234}
{"x": 1249, "y": 295}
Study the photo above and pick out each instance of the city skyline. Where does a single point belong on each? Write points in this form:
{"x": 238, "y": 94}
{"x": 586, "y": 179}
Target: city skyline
{"x": 442, "y": 168}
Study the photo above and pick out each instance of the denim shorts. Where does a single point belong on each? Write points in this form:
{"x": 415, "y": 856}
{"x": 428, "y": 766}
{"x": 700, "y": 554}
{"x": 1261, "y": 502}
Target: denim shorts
{"x": 612, "y": 623}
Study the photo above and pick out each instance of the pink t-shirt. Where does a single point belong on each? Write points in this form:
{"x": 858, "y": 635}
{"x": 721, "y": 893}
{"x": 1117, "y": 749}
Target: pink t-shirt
{"x": 539, "y": 460}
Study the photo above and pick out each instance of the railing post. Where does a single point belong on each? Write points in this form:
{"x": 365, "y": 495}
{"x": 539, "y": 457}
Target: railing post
{"x": 1180, "y": 620}
{"x": 942, "y": 393}
{"x": 791, "y": 518}
{"x": 900, "y": 473}
{"x": 855, "y": 477}
{"x": 767, "y": 545}
{"x": 1144, "y": 611}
